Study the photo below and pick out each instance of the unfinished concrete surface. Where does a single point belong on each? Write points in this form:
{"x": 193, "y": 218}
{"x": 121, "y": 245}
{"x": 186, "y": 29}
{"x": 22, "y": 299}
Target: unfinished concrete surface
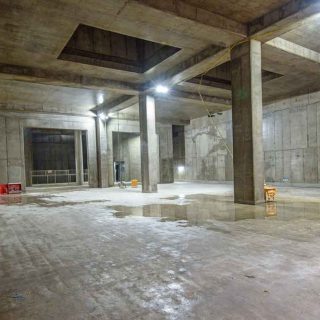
{"x": 187, "y": 252}
{"x": 160, "y": 91}
{"x": 290, "y": 143}
{"x": 149, "y": 147}
{"x": 247, "y": 122}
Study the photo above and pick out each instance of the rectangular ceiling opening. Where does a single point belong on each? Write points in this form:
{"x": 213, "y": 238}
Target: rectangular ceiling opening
{"x": 107, "y": 49}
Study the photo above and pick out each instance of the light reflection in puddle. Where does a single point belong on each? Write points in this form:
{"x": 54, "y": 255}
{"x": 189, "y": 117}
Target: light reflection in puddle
{"x": 42, "y": 201}
{"x": 191, "y": 209}
{"x": 203, "y": 209}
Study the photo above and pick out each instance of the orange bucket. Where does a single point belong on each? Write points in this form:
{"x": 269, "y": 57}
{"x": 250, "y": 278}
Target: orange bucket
{"x": 134, "y": 183}
{"x": 270, "y": 193}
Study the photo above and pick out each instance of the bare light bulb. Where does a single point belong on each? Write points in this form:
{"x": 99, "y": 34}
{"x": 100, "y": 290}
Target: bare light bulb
{"x": 162, "y": 89}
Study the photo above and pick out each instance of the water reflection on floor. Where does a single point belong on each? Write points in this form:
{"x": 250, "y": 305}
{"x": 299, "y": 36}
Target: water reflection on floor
{"x": 42, "y": 201}
{"x": 190, "y": 210}
{"x": 201, "y": 208}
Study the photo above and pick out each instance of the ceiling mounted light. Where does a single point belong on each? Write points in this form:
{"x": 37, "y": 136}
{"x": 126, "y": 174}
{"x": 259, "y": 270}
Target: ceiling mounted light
{"x": 100, "y": 98}
{"x": 162, "y": 89}
{"x": 102, "y": 116}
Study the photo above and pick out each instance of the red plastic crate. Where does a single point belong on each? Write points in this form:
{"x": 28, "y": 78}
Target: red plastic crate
{"x": 14, "y": 188}
{"x": 3, "y": 188}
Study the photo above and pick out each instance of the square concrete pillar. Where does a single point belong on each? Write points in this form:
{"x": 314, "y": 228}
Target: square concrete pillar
{"x": 110, "y": 155}
{"x": 102, "y": 153}
{"x": 247, "y": 123}
{"x": 78, "y": 156}
{"x": 149, "y": 144}
{"x": 28, "y": 156}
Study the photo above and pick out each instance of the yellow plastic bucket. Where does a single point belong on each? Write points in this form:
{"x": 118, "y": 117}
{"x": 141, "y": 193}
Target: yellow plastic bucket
{"x": 134, "y": 183}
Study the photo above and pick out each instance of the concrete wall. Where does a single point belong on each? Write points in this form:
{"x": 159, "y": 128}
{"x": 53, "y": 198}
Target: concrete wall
{"x": 126, "y": 147}
{"x": 12, "y": 155}
{"x": 164, "y": 132}
{"x": 11, "y": 151}
{"x": 113, "y": 127}
{"x": 165, "y": 153}
{"x": 206, "y": 155}
{"x": 291, "y": 140}
{"x": 135, "y": 160}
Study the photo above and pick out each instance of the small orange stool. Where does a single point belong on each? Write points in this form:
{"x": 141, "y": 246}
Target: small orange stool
{"x": 134, "y": 183}
{"x": 269, "y": 193}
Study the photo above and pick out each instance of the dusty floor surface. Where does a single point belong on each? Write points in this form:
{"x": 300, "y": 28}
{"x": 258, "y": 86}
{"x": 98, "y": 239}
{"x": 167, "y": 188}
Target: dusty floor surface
{"x": 185, "y": 253}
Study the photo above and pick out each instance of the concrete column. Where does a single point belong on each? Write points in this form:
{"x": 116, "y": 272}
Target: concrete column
{"x": 102, "y": 153}
{"x": 3, "y": 152}
{"x": 92, "y": 155}
{"x": 148, "y": 144}
{"x": 110, "y": 155}
{"x": 15, "y": 151}
{"x": 166, "y": 166}
{"x": 247, "y": 122}
{"x": 78, "y": 156}
{"x": 28, "y": 156}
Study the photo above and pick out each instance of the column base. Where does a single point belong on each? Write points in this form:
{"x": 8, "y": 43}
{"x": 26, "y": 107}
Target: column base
{"x": 151, "y": 189}
{"x": 249, "y": 202}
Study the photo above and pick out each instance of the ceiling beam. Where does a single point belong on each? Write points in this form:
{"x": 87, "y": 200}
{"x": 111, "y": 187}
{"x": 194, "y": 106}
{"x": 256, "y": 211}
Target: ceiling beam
{"x": 295, "y": 49}
{"x": 118, "y": 104}
{"x": 265, "y": 28}
{"x": 42, "y": 76}
{"x": 211, "y": 82}
{"x": 194, "y": 66}
{"x": 224, "y": 26}
{"x": 183, "y": 96}
{"x": 125, "y": 101}
{"x": 283, "y": 19}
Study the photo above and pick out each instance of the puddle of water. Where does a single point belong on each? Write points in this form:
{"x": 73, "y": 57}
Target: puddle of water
{"x": 195, "y": 210}
{"x": 202, "y": 209}
{"x": 19, "y": 199}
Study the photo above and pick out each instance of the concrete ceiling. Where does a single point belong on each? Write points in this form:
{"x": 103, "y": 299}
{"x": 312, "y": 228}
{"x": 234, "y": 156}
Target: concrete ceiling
{"x": 307, "y": 35}
{"x": 172, "y": 111}
{"x": 25, "y": 96}
{"x": 33, "y": 34}
{"x": 240, "y": 10}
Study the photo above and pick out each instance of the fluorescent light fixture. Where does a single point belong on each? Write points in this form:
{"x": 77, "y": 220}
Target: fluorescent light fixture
{"x": 100, "y": 98}
{"x": 102, "y": 116}
{"x": 162, "y": 89}
{"x": 181, "y": 169}
{"x": 111, "y": 115}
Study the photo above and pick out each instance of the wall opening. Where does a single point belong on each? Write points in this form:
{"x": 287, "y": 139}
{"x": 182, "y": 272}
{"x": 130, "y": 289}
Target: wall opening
{"x": 178, "y": 140}
{"x": 50, "y": 156}
{"x": 119, "y": 170}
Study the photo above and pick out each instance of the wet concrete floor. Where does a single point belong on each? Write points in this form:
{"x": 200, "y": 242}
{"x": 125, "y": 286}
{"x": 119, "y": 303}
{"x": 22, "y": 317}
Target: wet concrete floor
{"x": 187, "y": 256}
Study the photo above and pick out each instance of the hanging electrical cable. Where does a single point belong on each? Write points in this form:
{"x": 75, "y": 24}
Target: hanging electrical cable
{"x": 218, "y": 62}
{"x": 213, "y": 122}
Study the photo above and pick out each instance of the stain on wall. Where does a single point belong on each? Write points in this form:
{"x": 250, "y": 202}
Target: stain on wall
{"x": 207, "y": 157}
{"x": 291, "y": 141}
